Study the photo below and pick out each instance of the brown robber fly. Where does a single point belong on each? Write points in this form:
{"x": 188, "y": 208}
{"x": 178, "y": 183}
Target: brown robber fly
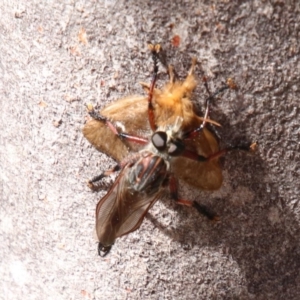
{"x": 130, "y": 115}
{"x": 179, "y": 145}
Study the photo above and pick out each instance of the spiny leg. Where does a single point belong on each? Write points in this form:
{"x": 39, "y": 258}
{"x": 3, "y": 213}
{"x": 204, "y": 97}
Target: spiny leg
{"x": 195, "y": 156}
{"x": 122, "y": 135}
{"x": 202, "y": 209}
{"x": 95, "y": 187}
{"x": 155, "y": 49}
{"x": 244, "y": 147}
{"x": 229, "y": 85}
{"x": 106, "y": 173}
{"x": 128, "y": 161}
{"x": 161, "y": 55}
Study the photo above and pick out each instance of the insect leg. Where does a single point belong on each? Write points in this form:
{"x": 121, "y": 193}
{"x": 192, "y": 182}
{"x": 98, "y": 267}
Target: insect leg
{"x": 155, "y": 49}
{"x": 106, "y": 173}
{"x": 195, "y": 156}
{"x": 128, "y": 161}
{"x": 169, "y": 68}
{"x": 95, "y": 187}
{"x": 161, "y": 56}
{"x": 243, "y": 147}
{"x": 229, "y": 85}
{"x": 122, "y": 135}
{"x": 202, "y": 209}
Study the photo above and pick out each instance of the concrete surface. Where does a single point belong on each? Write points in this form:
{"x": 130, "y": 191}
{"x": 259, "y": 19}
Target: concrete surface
{"x": 55, "y": 56}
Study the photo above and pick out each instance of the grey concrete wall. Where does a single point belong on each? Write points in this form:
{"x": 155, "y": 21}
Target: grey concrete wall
{"x": 48, "y": 71}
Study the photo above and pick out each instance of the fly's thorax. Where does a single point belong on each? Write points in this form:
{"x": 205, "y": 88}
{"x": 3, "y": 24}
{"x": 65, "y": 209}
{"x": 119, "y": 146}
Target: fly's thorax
{"x": 149, "y": 173}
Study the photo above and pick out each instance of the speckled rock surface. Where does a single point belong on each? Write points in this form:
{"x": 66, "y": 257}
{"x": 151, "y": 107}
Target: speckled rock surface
{"x": 57, "y": 56}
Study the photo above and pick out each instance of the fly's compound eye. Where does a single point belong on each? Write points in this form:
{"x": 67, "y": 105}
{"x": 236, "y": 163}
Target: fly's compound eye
{"x": 175, "y": 148}
{"x": 103, "y": 250}
{"x": 159, "y": 140}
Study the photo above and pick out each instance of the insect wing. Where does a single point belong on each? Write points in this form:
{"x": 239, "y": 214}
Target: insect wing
{"x": 130, "y": 115}
{"x": 122, "y": 210}
{"x": 205, "y": 175}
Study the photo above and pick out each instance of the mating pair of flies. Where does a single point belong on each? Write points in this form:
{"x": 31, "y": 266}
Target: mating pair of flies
{"x": 178, "y": 144}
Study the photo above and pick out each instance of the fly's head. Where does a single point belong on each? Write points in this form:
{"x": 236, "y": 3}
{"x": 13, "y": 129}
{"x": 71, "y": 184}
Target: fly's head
{"x": 169, "y": 141}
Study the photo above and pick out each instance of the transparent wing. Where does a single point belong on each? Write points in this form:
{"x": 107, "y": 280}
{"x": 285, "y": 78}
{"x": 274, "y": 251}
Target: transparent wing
{"x": 122, "y": 210}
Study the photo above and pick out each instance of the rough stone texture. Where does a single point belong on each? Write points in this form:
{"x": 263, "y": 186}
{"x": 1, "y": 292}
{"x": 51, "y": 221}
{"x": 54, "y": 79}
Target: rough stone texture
{"x": 48, "y": 72}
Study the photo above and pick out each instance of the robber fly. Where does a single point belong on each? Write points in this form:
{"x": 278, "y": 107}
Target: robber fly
{"x": 137, "y": 115}
{"x": 174, "y": 144}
